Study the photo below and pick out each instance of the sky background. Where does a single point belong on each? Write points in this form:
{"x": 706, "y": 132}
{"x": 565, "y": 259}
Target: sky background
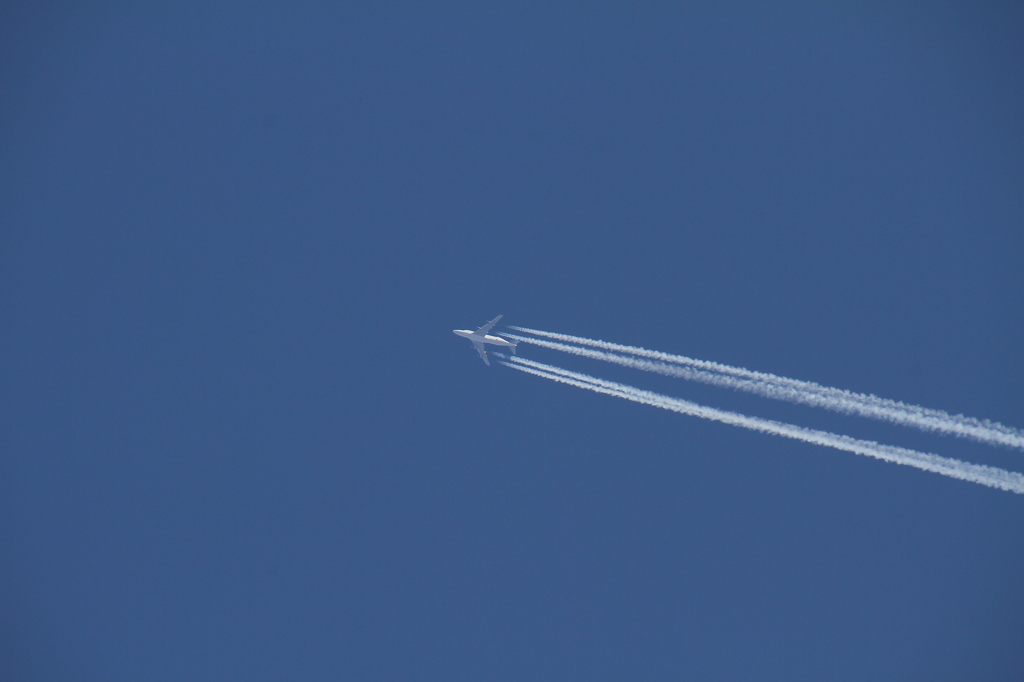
{"x": 240, "y": 441}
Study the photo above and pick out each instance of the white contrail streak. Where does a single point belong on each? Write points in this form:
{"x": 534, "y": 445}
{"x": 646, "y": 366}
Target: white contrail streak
{"x": 976, "y": 473}
{"x": 783, "y": 388}
{"x": 684, "y": 372}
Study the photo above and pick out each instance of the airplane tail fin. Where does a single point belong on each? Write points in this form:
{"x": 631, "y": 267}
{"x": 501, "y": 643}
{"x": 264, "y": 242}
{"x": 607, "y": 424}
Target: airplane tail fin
{"x": 514, "y": 344}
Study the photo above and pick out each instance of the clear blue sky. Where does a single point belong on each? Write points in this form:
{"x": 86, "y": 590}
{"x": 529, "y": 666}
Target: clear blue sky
{"x": 240, "y": 441}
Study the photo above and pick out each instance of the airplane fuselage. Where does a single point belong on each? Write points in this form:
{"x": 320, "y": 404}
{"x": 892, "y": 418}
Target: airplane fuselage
{"x": 484, "y": 338}
{"x": 480, "y": 337}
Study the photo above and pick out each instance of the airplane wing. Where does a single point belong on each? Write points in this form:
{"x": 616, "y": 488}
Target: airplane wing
{"x": 482, "y": 351}
{"x": 487, "y": 327}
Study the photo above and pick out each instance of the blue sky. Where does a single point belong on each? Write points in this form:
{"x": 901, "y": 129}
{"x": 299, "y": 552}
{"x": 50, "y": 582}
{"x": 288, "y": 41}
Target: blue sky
{"x": 241, "y": 441}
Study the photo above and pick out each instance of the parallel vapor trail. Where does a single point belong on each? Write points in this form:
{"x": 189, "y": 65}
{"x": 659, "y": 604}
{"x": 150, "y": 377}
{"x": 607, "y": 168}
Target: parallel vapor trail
{"x": 976, "y": 473}
{"x": 783, "y": 388}
{"x": 684, "y": 372}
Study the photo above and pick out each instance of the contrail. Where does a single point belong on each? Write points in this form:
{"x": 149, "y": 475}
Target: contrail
{"x": 976, "y": 473}
{"x": 783, "y": 388}
{"x": 683, "y": 372}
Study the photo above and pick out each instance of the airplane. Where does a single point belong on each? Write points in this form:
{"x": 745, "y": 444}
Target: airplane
{"x": 480, "y": 337}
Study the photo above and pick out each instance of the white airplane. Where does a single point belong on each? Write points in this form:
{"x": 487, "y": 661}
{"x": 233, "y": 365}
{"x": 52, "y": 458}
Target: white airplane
{"x": 480, "y": 337}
